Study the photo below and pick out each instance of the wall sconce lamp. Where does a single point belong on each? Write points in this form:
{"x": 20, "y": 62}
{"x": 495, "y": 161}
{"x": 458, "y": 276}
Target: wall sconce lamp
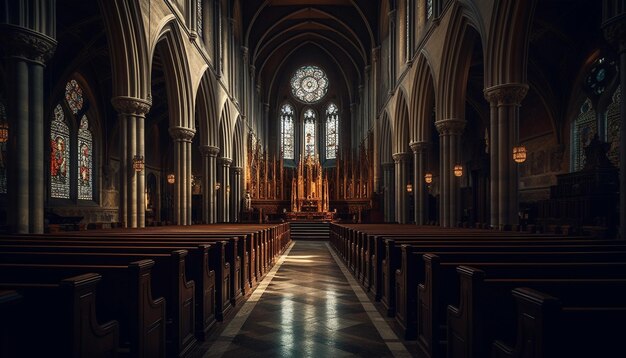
{"x": 409, "y": 188}
{"x": 519, "y": 154}
{"x": 458, "y": 170}
{"x": 218, "y": 185}
{"x": 138, "y": 163}
{"x": 428, "y": 178}
{"x": 171, "y": 178}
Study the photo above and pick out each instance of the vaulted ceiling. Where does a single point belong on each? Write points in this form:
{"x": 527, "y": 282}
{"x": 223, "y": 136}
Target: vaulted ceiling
{"x": 283, "y": 34}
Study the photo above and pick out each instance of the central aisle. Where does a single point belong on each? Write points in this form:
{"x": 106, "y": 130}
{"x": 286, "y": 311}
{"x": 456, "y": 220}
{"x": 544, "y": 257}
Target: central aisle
{"x": 308, "y": 309}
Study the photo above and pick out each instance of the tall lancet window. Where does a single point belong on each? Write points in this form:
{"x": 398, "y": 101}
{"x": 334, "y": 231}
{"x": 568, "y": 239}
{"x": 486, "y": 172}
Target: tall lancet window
{"x": 85, "y": 160}
{"x": 286, "y": 131}
{"x": 59, "y": 155}
{"x": 309, "y": 133}
{"x": 332, "y": 131}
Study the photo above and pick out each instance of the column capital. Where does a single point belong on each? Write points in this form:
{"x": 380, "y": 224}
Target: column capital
{"x": 400, "y": 157}
{"x": 182, "y": 134}
{"x": 131, "y": 105}
{"x": 450, "y": 126}
{"x": 209, "y": 151}
{"x": 226, "y": 161}
{"x": 417, "y": 147}
{"x": 27, "y": 44}
{"x": 237, "y": 170}
{"x": 615, "y": 31}
{"x": 506, "y": 94}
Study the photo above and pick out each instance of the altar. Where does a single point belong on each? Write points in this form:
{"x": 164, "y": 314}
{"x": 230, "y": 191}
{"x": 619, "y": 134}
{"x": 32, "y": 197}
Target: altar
{"x": 309, "y": 192}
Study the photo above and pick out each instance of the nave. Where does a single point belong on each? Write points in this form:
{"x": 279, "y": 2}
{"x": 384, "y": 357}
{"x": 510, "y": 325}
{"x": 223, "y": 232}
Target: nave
{"x": 307, "y": 306}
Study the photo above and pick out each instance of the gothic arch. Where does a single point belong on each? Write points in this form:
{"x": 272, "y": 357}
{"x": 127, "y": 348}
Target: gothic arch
{"x": 225, "y": 132}
{"x": 401, "y": 123}
{"x": 457, "y": 54}
{"x": 129, "y": 56}
{"x": 206, "y": 110}
{"x": 385, "y": 148}
{"x": 177, "y": 75}
{"x": 423, "y": 101}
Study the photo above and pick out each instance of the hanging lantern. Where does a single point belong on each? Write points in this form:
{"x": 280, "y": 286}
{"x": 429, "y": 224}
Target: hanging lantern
{"x": 138, "y": 163}
{"x": 171, "y": 178}
{"x": 458, "y": 170}
{"x": 519, "y": 154}
{"x": 4, "y": 132}
{"x": 428, "y": 178}
{"x": 409, "y": 188}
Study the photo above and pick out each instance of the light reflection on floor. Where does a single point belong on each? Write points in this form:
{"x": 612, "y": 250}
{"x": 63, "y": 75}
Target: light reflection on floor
{"x": 308, "y": 310}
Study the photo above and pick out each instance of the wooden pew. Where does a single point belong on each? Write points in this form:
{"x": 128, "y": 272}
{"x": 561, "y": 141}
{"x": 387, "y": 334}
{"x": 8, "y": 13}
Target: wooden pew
{"x": 125, "y": 295}
{"x": 10, "y": 303}
{"x": 548, "y": 328}
{"x": 169, "y": 281}
{"x": 486, "y": 306}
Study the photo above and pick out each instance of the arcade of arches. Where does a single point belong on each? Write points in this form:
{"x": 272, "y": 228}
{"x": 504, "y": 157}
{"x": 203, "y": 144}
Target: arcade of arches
{"x": 173, "y": 112}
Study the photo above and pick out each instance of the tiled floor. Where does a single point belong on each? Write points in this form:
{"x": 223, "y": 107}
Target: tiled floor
{"x": 308, "y": 309}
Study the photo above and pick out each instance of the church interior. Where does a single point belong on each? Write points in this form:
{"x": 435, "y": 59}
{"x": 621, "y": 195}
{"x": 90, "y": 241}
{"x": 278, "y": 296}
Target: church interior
{"x": 406, "y": 178}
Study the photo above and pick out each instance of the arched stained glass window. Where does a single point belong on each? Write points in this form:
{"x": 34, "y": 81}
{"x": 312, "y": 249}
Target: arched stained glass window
{"x": 59, "y": 155}
{"x": 332, "y": 131}
{"x": 287, "y": 132}
{"x": 585, "y": 127}
{"x": 309, "y": 133}
{"x": 309, "y": 84}
{"x": 3, "y": 148}
{"x": 85, "y": 160}
{"x": 74, "y": 96}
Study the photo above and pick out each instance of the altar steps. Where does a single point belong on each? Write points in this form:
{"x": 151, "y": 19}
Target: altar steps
{"x": 310, "y": 230}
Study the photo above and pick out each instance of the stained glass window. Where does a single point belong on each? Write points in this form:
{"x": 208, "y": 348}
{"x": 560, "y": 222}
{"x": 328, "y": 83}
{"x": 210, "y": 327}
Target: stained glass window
{"x": 309, "y": 133}
{"x": 3, "y": 149}
{"x": 309, "y": 84}
{"x": 429, "y": 9}
{"x": 332, "y": 133}
{"x": 59, "y": 155}
{"x": 286, "y": 131}
{"x": 74, "y": 96}
{"x": 199, "y": 24}
{"x": 85, "y": 161}
{"x": 585, "y": 127}
{"x": 600, "y": 75}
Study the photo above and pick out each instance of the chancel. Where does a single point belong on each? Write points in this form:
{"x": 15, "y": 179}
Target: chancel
{"x": 317, "y": 178}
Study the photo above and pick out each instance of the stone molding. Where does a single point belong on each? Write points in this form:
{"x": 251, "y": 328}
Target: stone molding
{"x": 131, "y": 106}
{"x": 28, "y": 44}
{"x": 506, "y": 94}
{"x": 418, "y": 147}
{"x": 400, "y": 157}
{"x": 182, "y": 134}
{"x": 209, "y": 150}
{"x": 450, "y": 126}
{"x": 238, "y": 170}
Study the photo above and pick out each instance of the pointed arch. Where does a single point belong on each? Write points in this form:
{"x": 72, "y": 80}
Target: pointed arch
{"x": 385, "y": 149}
{"x": 206, "y": 110}
{"x": 456, "y": 60}
{"x": 238, "y": 143}
{"x": 423, "y": 101}
{"x": 180, "y": 98}
{"x": 401, "y": 123}
{"x": 225, "y": 137}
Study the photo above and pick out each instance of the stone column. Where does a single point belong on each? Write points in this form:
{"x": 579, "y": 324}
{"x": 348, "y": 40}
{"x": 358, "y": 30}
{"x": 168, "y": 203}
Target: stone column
{"x": 26, "y": 51}
{"x": 388, "y": 193}
{"x": 506, "y": 98}
{"x": 420, "y": 152}
{"x": 131, "y": 115}
{"x": 209, "y": 175}
{"x": 614, "y": 26}
{"x": 236, "y": 193}
{"x": 400, "y": 160}
{"x": 182, "y": 137}
{"x": 224, "y": 191}
{"x": 450, "y": 131}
